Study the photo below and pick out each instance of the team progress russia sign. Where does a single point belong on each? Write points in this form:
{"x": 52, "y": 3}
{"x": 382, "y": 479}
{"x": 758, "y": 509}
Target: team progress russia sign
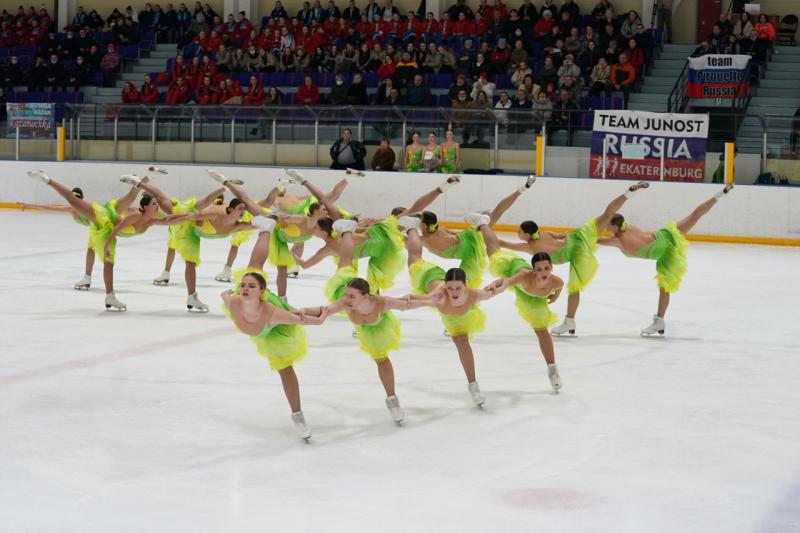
{"x": 680, "y": 137}
{"x": 718, "y": 76}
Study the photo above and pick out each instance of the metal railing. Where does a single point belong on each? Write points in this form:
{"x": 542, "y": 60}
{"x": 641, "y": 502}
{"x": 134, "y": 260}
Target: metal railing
{"x": 677, "y": 100}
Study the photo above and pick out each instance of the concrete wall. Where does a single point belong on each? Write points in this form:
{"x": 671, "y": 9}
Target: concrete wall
{"x": 771, "y": 212}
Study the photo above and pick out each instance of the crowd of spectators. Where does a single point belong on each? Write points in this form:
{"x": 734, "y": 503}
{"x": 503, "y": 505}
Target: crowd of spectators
{"x": 742, "y": 37}
{"x": 550, "y": 49}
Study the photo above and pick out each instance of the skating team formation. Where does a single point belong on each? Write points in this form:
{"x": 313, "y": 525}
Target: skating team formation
{"x": 389, "y": 244}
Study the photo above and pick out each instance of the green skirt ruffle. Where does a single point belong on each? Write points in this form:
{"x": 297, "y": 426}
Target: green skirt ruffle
{"x": 336, "y": 285}
{"x": 669, "y": 252}
{"x": 105, "y": 218}
{"x": 386, "y": 253}
{"x": 422, "y": 273}
{"x": 470, "y": 323}
{"x": 471, "y": 250}
{"x": 279, "y": 240}
{"x": 579, "y": 251}
{"x": 180, "y": 208}
{"x": 380, "y": 337}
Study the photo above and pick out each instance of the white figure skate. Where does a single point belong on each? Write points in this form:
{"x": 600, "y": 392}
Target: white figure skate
{"x": 568, "y": 326}
{"x": 84, "y": 283}
{"x": 657, "y": 327}
{"x": 475, "y": 392}
{"x": 300, "y": 425}
{"x": 193, "y": 302}
{"x": 112, "y": 302}
{"x": 555, "y": 379}
{"x": 162, "y": 279}
{"x": 395, "y": 410}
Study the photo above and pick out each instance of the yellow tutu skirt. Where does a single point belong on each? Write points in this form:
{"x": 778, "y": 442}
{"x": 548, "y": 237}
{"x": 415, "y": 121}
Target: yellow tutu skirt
{"x": 380, "y": 337}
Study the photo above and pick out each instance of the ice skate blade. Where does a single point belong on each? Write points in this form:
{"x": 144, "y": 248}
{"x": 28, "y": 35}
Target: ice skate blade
{"x": 161, "y": 283}
{"x": 195, "y": 309}
{"x": 559, "y": 334}
{"x": 82, "y": 287}
{"x": 292, "y": 275}
{"x": 645, "y": 334}
{"x": 115, "y": 309}
{"x": 222, "y": 280}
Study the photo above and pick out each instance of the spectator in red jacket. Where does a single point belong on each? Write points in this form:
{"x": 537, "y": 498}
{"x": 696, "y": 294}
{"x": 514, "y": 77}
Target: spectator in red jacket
{"x": 179, "y": 69}
{"x": 178, "y": 92}
{"x": 308, "y": 93}
{"x": 194, "y": 73}
{"x": 254, "y": 93}
{"x": 208, "y": 68}
{"x": 387, "y": 69}
{"x": 149, "y": 93}
{"x": 463, "y": 27}
{"x": 109, "y": 64}
{"x": 129, "y": 94}
{"x": 623, "y": 77}
{"x": 243, "y": 27}
{"x": 204, "y": 94}
{"x": 446, "y": 27}
{"x": 635, "y": 56}
{"x": 544, "y": 26}
{"x": 212, "y": 43}
{"x": 233, "y": 93}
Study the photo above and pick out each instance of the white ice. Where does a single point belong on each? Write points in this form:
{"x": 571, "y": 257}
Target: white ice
{"x": 160, "y": 420}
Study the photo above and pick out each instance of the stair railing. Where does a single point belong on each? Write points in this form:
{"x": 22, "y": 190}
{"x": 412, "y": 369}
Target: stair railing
{"x": 739, "y": 104}
{"x": 677, "y": 101}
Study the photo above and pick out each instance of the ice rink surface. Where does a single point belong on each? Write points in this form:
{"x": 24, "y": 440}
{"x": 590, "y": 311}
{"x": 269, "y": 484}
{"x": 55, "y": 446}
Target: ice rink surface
{"x": 160, "y": 420}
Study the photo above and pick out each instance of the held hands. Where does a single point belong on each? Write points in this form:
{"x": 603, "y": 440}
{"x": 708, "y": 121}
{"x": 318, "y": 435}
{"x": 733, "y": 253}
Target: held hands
{"x": 497, "y": 286}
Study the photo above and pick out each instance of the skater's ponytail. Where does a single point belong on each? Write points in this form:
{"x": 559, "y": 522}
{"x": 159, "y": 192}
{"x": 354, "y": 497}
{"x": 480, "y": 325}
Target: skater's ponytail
{"x": 540, "y": 256}
{"x": 232, "y": 205}
{"x": 326, "y": 225}
{"x": 531, "y": 228}
{"x": 361, "y": 285}
{"x": 144, "y": 202}
{"x": 456, "y": 274}
{"x": 430, "y": 220}
{"x": 619, "y": 221}
{"x": 77, "y": 192}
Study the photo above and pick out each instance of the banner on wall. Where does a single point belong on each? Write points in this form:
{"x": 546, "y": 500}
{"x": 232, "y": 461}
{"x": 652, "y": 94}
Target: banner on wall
{"x": 34, "y": 120}
{"x": 635, "y": 140}
{"x": 718, "y": 76}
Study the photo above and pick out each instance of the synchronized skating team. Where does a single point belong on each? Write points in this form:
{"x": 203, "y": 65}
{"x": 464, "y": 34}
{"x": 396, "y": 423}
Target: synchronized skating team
{"x": 389, "y": 244}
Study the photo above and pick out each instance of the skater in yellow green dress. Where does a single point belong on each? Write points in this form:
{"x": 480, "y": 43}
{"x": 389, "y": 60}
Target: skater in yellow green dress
{"x": 290, "y": 205}
{"x": 213, "y": 222}
{"x": 414, "y": 153}
{"x": 451, "y": 154}
{"x": 83, "y": 214}
{"x": 276, "y": 331}
{"x": 577, "y": 248}
{"x": 457, "y": 304}
{"x": 381, "y": 242}
{"x": 535, "y": 286}
{"x": 377, "y": 329}
{"x": 667, "y": 246}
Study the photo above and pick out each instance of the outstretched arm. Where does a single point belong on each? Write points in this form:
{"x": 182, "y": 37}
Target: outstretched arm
{"x": 124, "y": 223}
{"x": 406, "y": 303}
{"x": 609, "y": 241}
{"x": 279, "y": 316}
{"x": 321, "y": 254}
{"x": 516, "y": 246}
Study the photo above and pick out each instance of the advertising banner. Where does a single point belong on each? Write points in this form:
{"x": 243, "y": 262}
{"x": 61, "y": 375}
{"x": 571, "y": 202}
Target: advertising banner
{"x": 33, "y": 120}
{"x": 634, "y": 142}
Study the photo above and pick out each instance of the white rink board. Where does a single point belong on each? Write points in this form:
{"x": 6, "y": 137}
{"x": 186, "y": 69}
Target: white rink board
{"x": 752, "y": 211}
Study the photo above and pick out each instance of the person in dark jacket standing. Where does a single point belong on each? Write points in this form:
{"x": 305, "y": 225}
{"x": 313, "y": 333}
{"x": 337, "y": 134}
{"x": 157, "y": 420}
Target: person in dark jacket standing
{"x": 347, "y": 153}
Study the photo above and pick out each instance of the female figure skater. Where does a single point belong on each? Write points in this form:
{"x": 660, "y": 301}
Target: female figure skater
{"x": 84, "y": 215}
{"x": 451, "y": 154}
{"x": 213, "y": 222}
{"x": 432, "y": 154}
{"x": 377, "y": 329}
{"x": 277, "y": 332}
{"x": 295, "y": 205}
{"x": 667, "y": 246}
{"x": 466, "y": 245}
{"x": 577, "y": 248}
{"x": 414, "y": 152}
{"x": 535, "y": 286}
{"x": 457, "y": 305}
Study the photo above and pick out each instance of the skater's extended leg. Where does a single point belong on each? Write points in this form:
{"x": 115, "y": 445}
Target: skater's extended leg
{"x": 291, "y": 388}
{"x": 616, "y": 204}
{"x": 124, "y": 203}
{"x": 252, "y": 206}
{"x": 466, "y": 356}
{"x": 271, "y": 197}
{"x": 573, "y": 301}
{"x": 79, "y": 204}
{"x": 334, "y": 194}
{"x": 413, "y": 246}
{"x": 259, "y": 254}
{"x": 686, "y": 225}
{"x": 108, "y": 276}
{"x": 546, "y": 345}
{"x": 504, "y": 204}
{"x": 164, "y": 201}
{"x": 386, "y": 373}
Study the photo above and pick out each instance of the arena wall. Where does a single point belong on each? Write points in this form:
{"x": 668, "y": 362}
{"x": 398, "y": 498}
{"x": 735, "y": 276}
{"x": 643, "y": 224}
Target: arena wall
{"x": 754, "y": 214}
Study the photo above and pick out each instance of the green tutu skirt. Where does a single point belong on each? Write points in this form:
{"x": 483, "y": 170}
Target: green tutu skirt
{"x": 470, "y": 323}
{"x": 180, "y": 208}
{"x": 669, "y": 251}
{"x": 535, "y": 310}
{"x": 282, "y": 344}
{"x": 579, "y": 251}
{"x": 471, "y": 250}
{"x": 380, "y": 337}
{"x": 386, "y": 253}
{"x": 336, "y": 285}
{"x": 301, "y": 207}
{"x": 422, "y": 273}
{"x": 279, "y": 240}
{"x": 105, "y": 218}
